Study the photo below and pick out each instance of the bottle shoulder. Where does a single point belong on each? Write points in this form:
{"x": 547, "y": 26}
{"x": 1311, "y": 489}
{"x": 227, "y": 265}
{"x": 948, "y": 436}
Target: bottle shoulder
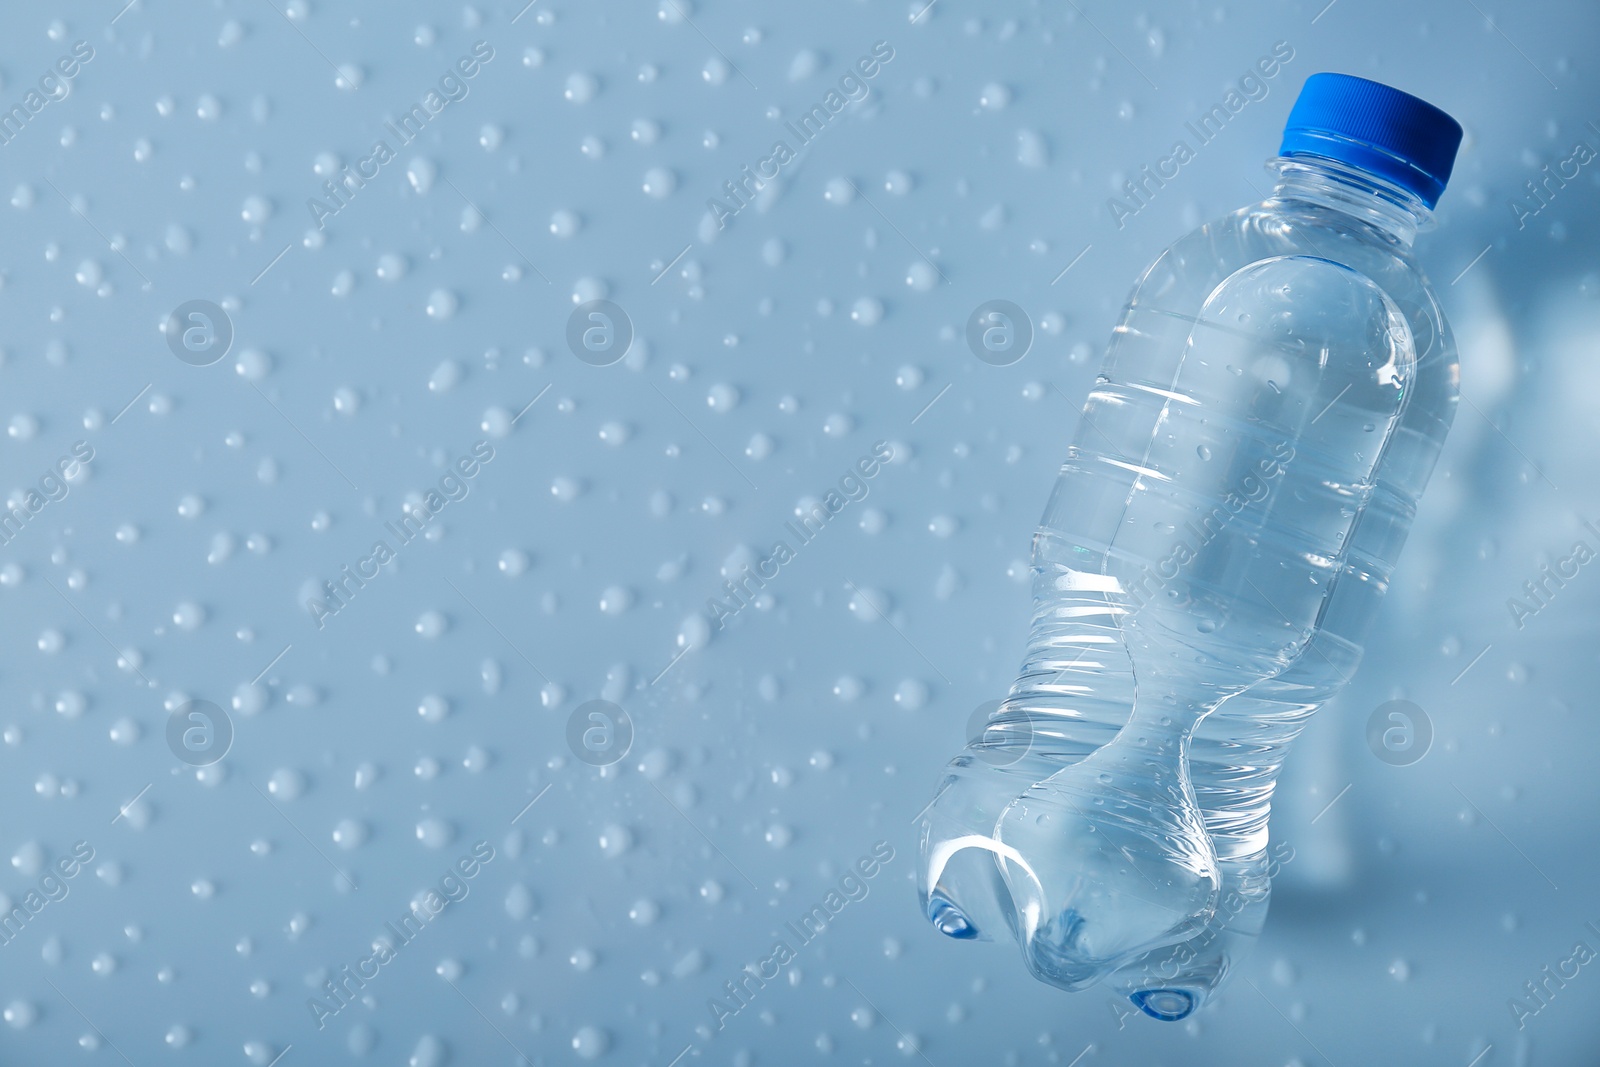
{"x": 1280, "y": 237}
{"x": 1273, "y": 230}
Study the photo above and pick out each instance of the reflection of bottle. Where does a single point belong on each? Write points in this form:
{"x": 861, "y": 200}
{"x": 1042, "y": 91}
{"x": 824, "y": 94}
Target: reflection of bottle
{"x": 1241, "y": 482}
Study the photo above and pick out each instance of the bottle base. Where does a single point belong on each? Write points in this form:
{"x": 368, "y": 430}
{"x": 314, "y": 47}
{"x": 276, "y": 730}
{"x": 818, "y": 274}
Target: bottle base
{"x": 1166, "y": 1005}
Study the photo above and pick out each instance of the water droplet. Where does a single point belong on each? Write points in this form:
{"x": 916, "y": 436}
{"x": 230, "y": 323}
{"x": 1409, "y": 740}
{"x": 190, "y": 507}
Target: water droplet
{"x": 581, "y": 88}
{"x": 286, "y": 783}
{"x": 911, "y": 694}
{"x": 590, "y": 1042}
{"x": 867, "y": 311}
{"x": 994, "y": 97}
{"x": 349, "y": 833}
{"x": 442, "y": 305}
{"x": 659, "y": 182}
{"x": 615, "y": 840}
{"x": 615, "y": 600}
{"x": 434, "y": 833}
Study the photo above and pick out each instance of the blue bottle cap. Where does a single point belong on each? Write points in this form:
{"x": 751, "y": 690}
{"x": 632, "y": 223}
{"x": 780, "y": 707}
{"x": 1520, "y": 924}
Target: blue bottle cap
{"x": 1374, "y": 127}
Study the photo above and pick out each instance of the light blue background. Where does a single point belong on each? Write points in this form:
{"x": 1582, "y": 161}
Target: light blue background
{"x": 1418, "y": 904}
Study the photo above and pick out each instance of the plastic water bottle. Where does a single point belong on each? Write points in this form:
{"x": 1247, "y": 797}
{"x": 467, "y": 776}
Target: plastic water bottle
{"x": 1243, "y": 477}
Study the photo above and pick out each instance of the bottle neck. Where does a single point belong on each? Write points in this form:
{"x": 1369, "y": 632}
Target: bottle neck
{"x": 1382, "y": 205}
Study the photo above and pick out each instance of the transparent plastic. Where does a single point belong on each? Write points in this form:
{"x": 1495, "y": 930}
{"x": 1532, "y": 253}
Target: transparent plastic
{"x": 1242, "y": 479}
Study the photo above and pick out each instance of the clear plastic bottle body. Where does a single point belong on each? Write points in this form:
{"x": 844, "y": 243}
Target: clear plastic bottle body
{"x": 1241, "y": 482}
